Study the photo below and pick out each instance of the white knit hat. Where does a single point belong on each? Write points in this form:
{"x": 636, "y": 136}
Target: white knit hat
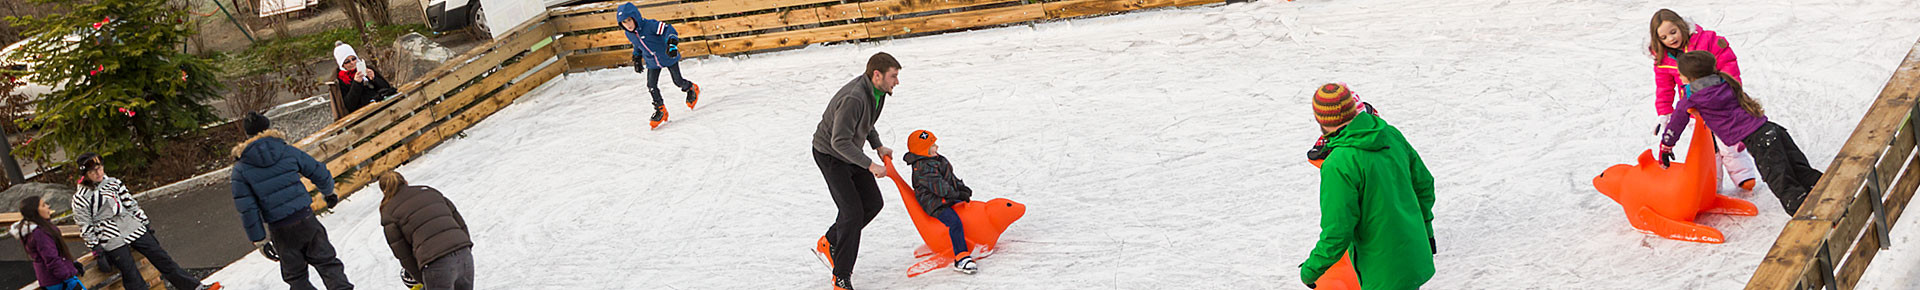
{"x": 340, "y": 53}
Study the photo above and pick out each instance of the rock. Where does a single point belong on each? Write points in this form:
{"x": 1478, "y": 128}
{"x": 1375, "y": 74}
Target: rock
{"x": 415, "y": 55}
{"x": 57, "y": 196}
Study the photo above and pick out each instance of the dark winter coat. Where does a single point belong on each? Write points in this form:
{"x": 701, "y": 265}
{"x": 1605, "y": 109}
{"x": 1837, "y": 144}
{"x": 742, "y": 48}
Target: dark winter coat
{"x": 266, "y": 182}
{"x": 108, "y": 215}
{"x": 849, "y": 120}
{"x": 655, "y": 43}
{"x": 48, "y": 266}
{"x": 934, "y": 183}
{"x": 1376, "y": 203}
{"x": 359, "y": 94}
{"x": 421, "y": 226}
{"x": 1716, "y": 103}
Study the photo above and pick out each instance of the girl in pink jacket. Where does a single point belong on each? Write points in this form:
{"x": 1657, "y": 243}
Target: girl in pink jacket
{"x": 1673, "y": 36}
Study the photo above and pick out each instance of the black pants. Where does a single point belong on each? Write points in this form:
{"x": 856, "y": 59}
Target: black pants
{"x": 653, "y": 82}
{"x": 122, "y": 259}
{"x": 1782, "y": 165}
{"x": 303, "y": 244}
{"x": 858, "y": 198}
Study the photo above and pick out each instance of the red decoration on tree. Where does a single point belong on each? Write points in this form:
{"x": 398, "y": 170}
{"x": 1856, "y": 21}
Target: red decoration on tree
{"x": 124, "y": 110}
{"x": 103, "y": 22}
{"x": 97, "y": 68}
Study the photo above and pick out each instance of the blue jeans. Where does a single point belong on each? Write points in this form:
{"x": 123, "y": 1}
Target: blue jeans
{"x": 952, "y": 220}
{"x": 72, "y": 283}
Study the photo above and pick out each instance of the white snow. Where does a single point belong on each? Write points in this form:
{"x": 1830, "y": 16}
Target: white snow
{"x": 1162, "y": 149}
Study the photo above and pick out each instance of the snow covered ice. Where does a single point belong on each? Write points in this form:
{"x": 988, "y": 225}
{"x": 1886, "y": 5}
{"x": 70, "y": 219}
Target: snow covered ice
{"x": 1160, "y": 149}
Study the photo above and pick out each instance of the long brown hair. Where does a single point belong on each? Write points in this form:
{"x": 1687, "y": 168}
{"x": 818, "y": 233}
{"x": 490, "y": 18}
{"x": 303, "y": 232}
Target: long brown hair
{"x": 1660, "y": 50}
{"x": 1699, "y": 64}
{"x": 30, "y": 212}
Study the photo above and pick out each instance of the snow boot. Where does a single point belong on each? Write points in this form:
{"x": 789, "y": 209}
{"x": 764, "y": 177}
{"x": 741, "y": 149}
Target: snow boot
{"x": 693, "y": 95}
{"x": 659, "y": 116}
{"x": 214, "y": 286}
{"x": 965, "y": 265}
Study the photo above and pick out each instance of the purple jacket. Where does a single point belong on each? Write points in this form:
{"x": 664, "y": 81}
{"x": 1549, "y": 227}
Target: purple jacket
{"x": 1713, "y": 99}
{"x": 48, "y": 266}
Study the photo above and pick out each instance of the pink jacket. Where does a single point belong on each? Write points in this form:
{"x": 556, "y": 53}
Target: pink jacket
{"x": 1666, "y": 74}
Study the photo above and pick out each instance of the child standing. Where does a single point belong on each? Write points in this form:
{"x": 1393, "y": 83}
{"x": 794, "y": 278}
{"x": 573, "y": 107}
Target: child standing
{"x": 53, "y": 264}
{"x": 655, "y": 46}
{"x": 938, "y": 190}
{"x": 1732, "y": 115}
{"x": 1672, "y": 36}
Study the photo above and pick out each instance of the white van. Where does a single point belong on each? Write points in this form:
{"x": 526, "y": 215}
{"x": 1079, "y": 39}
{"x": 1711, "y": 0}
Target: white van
{"x": 449, "y": 15}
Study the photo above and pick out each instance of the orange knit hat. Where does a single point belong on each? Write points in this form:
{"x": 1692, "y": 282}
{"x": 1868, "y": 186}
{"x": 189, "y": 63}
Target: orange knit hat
{"x": 920, "y": 141}
{"x": 1333, "y": 105}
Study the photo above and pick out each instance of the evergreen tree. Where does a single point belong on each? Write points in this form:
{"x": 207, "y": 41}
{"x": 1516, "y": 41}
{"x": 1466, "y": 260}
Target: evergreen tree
{"x": 121, "y": 77}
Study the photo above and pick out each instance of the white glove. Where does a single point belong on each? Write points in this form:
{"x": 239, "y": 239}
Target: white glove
{"x": 1661, "y": 127}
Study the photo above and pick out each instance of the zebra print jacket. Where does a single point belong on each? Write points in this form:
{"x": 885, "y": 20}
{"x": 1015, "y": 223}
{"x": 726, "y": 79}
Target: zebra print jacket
{"x": 109, "y": 218}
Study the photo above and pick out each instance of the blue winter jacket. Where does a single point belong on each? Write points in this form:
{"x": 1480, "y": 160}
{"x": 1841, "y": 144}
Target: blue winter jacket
{"x": 655, "y": 43}
{"x": 266, "y": 182}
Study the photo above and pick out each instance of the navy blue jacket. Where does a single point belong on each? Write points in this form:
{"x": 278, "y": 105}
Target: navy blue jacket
{"x": 655, "y": 43}
{"x": 266, "y": 182}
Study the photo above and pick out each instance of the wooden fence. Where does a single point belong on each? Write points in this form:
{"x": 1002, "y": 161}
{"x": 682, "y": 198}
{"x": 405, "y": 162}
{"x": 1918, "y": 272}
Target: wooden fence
{"x": 1846, "y": 218}
{"x": 723, "y": 27}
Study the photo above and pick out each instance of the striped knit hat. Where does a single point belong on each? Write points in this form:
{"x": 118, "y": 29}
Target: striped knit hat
{"x": 1333, "y": 105}
{"x": 920, "y": 141}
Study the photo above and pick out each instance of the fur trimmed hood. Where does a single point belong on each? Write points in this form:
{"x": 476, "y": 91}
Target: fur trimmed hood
{"x": 242, "y": 148}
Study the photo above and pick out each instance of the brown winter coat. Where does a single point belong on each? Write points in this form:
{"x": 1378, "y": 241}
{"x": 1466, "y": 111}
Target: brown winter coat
{"x": 421, "y": 226}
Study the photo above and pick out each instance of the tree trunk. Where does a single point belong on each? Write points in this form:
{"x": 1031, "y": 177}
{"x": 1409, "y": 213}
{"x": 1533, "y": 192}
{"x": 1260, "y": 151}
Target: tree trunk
{"x": 355, "y": 18}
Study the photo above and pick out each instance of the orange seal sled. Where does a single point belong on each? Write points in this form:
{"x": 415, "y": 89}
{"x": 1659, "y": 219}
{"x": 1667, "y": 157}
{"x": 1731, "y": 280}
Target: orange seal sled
{"x": 1664, "y": 201}
{"x": 984, "y": 221}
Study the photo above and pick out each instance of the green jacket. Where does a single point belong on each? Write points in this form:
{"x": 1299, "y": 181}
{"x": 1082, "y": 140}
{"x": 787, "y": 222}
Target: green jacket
{"x": 1376, "y": 199}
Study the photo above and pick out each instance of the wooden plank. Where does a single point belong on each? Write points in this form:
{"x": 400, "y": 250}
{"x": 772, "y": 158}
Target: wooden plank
{"x": 342, "y": 133}
{"x": 1899, "y": 196}
{"x": 1860, "y": 213}
{"x": 1784, "y": 264}
{"x": 674, "y": 13}
{"x": 621, "y": 57}
{"x": 447, "y": 129}
{"x": 605, "y": 7}
{"x": 1185, "y": 3}
{"x": 1791, "y": 253}
{"x": 417, "y": 121}
{"x": 788, "y": 39}
{"x": 962, "y": 20}
{"x": 763, "y": 21}
{"x": 896, "y": 7}
{"x": 411, "y": 87}
{"x": 10, "y": 218}
{"x": 1077, "y": 8}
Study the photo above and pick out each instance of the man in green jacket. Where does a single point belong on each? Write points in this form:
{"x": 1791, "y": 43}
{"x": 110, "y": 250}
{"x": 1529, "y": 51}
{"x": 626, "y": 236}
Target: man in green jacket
{"x": 1376, "y": 199}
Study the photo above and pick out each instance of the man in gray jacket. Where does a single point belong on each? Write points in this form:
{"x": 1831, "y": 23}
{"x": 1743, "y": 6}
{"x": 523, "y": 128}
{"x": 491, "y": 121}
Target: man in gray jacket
{"x": 847, "y": 123}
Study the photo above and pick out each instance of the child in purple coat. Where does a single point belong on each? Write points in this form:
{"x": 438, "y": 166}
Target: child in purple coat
{"x": 1739, "y": 121}
{"x": 53, "y": 264}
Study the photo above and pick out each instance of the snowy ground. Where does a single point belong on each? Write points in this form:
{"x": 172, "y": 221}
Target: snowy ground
{"x": 1155, "y": 150}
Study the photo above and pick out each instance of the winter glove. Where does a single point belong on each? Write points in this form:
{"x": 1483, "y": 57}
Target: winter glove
{"x": 1666, "y": 156}
{"x": 1311, "y": 286}
{"x": 673, "y": 50}
{"x": 266, "y": 250}
{"x": 79, "y": 268}
{"x": 409, "y": 280}
{"x": 332, "y": 200}
{"x": 1661, "y": 127}
{"x": 1433, "y": 244}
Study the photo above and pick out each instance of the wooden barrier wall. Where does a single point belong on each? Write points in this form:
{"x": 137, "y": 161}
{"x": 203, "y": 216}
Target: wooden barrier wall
{"x": 1845, "y": 219}
{"x": 473, "y": 85}
{"x": 722, "y": 27}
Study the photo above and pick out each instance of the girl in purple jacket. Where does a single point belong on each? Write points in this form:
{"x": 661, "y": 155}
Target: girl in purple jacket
{"x": 1739, "y": 122}
{"x": 53, "y": 265}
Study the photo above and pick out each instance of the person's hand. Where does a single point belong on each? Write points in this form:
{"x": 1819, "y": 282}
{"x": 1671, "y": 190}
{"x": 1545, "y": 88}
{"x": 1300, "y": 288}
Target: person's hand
{"x": 332, "y": 200}
{"x": 1311, "y": 286}
{"x": 879, "y": 171}
{"x": 266, "y": 250}
{"x": 409, "y": 280}
{"x": 1661, "y": 127}
{"x": 1666, "y": 156}
{"x": 884, "y": 151}
{"x": 79, "y": 268}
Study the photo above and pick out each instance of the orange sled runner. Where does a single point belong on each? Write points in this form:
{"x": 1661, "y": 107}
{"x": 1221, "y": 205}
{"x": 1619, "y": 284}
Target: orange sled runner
{"x": 984, "y": 221}
{"x": 1664, "y": 201}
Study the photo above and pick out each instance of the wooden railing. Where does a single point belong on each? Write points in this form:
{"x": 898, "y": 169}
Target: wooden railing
{"x": 461, "y": 92}
{"x": 724, "y": 27}
{"x": 1867, "y": 187}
